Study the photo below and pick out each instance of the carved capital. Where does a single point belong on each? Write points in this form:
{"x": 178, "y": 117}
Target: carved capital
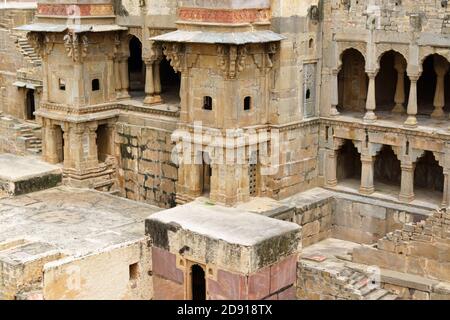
{"x": 231, "y": 59}
{"x": 76, "y": 47}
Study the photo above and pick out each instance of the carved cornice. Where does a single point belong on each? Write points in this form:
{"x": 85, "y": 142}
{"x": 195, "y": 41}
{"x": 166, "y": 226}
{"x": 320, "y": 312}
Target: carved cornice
{"x": 180, "y": 60}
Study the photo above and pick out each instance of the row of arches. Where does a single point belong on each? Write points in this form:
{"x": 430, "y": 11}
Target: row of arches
{"x": 392, "y": 84}
{"x": 170, "y": 80}
{"x": 428, "y": 175}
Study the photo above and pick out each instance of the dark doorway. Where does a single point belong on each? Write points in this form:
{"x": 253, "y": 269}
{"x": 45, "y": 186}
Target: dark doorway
{"x": 206, "y": 173}
{"x": 348, "y": 162}
{"x": 429, "y": 174}
{"x": 426, "y": 87}
{"x": 170, "y": 82}
{"x": 198, "y": 283}
{"x": 352, "y": 82}
{"x": 31, "y": 105}
{"x": 386, "y": 80}
{"x": 136, "y": 66}
{"x": 103, "y": 142}
{"x": 59, "y": 144}
{"x": 387, "y": 168}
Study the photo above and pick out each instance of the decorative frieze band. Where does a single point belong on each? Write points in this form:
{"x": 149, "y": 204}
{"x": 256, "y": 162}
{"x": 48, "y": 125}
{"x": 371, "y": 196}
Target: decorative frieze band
{"x": 81, "y": 10}
{"x": 224, "y": 15}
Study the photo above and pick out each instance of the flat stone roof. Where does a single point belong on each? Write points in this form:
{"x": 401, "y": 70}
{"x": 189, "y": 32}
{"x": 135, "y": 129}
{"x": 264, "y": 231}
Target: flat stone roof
{"x": 220, "y": 37}
{"x": 17, "y": 168}
{"x": 232, "y": 225}
{"x": 74, "y": 221}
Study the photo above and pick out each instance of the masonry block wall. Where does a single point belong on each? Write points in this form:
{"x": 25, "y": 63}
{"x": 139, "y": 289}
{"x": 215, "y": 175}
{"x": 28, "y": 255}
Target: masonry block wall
{"x": 146, "y": 170}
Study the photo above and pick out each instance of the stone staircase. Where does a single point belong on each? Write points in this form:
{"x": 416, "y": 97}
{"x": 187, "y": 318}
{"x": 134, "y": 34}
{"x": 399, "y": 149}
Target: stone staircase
{"x": 28, "y": 51}
{"x": 24, "y": 137}
{"x": 32, "y": 142}
{"x": 360, "y": 287}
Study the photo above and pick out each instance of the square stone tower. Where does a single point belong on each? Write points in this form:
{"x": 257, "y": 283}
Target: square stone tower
{"x": 82, "y": 57}
{"x": 224, "y": 51}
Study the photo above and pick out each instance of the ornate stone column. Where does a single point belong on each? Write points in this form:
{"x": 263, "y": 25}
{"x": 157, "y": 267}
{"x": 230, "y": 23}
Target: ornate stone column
{"x": 157, "y": 78}
{"x": 330, "y": 168}
{"x": 399, "y": 98}
{"x": 411, "y": 121}
{"x": 92, "y": 157}
{"x": 124, "y": 78}
{"x": 367, "y": 186}
{"x": 371, "y": 103}
{"x": 334, "y": 92}
{"x": 118, "y": 81}
{"x": 152, "y": 82}
{"x": 446, "y": 195}
{"x": 441, "y": 68}
{"x": 407, "y": 183}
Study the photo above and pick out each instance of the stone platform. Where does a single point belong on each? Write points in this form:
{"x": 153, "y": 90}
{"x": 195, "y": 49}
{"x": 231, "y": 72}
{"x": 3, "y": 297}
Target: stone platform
{"x": 243, "y": 255}
{"x": 67, "y": 243}
{"x": 21, "y": 175}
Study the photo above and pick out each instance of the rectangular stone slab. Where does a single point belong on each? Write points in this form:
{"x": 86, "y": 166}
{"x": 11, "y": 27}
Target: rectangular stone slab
{"x": 230, "y": 238}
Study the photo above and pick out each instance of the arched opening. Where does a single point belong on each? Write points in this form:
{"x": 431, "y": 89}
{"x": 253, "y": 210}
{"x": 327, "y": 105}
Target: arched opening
{"x": 387, "y": 168}
{"x": 348, "y": 163}
{"x": 352, "y": 82}
{"x": 392, "y": 66}
{"x": 198, "y": 283}
{"x": 30, "y": 105}
{"x": 170, "y": 82}
{"x": 431, "y": 95}
{"x": 136, "y": 68}
{"x": 429, "y": 175}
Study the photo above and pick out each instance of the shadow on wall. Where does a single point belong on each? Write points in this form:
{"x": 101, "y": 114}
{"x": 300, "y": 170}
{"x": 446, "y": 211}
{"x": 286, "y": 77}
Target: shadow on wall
{"x": 119, "y": 9}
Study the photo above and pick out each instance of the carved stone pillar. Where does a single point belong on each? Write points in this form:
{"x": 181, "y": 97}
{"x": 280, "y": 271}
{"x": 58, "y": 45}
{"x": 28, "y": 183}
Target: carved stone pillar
{"x": 157, "y": 77}
{"x": 49, "y": 144}
{"x": 124, "y": 78}
{"x": 118, "y": 81}
{"x": 92, "y": 157}
{"x": 399, "y": 98}
{"x": 446, "y": 196}
{"x": 330, "y": 168}
{"x": 150, "y": 83}
{"x": 411, "y": 121}
{"x": 407, "y": 183}
{"x": 334, "y": 93}
{"x": 68, "y": 162}
{"x": 78, "y": 146}
{"x": 367, "y": 186}
{"x": 371, "y": 103}
{"x": 441, "y": 68}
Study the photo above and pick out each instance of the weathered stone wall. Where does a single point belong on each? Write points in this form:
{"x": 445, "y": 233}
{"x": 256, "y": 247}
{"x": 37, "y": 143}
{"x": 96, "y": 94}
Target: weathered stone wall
{"x": 90, "y": 277}
{"x": 316, "y": 220}
{"x": 297, "y": 168}
{"x": 418, "y": 248}
{"x": 146, "y": 172}
{"x": 12, "y": 99}
{"x": 324, "y": 214}
{"x": 365, "y": 222}
{"x": 299, "y": 50}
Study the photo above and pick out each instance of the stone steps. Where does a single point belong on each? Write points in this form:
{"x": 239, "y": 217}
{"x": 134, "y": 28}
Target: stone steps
{"x": 359, "y": 284}
{"x": 28, "y": 51}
